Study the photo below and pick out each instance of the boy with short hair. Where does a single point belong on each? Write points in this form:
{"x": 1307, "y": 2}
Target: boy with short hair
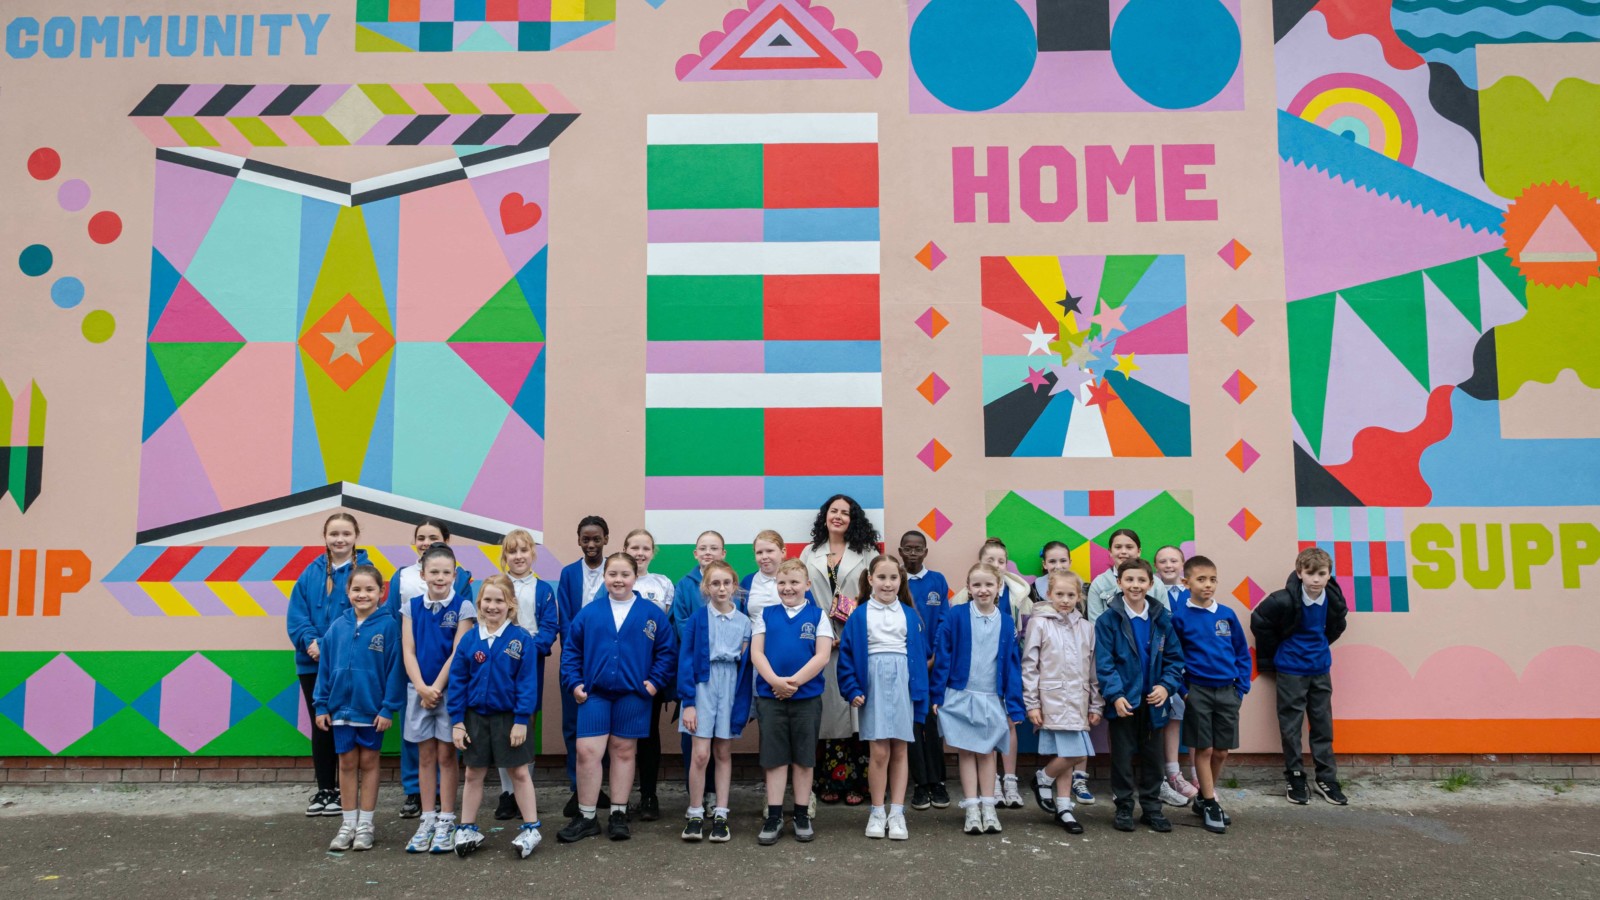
{"x": 1294, "y": 630}
{"x": 1216, "y": 677}
{"x": 1140, "y": 665}
{"x": 931, "y": 593}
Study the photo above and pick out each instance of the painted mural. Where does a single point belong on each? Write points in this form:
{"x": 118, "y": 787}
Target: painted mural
{"x": 1246, "y": 278}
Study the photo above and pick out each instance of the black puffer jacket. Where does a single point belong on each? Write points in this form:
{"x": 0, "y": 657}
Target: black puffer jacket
{"x": 1276, "y": 617}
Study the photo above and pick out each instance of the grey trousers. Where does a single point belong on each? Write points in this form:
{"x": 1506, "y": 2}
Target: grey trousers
{"x": 1302, "y": 697}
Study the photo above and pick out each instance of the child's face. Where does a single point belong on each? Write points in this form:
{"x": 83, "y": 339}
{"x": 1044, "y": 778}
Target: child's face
{"x": 1057, "y": 559}
{"x": 518, "y": 559}
{"x": 913, "y": 550}
{"x": 1202, "y": 584}
{"x": 440, "y": 574}
{"x": 768, "y": 555}
{"x": 619, "y": 577}
{"x": 642, "y": 549}
{"x": 838, "y": 517}
{"x": 1064, "y": 596}
{"x": 718, "y": 587}
{"x": 708, "y": 549}
{"x": 792, "y": 588}
{"x": 340, "y": 536}
{"x": 425, "y": 537}
{"x": 886, "y": 582}
{"x": 364, "y": 595}
{"x": 493, "y": 607}
{"x": 1123, "y": 548}
{"x": 982, "y": 588}
{"x": 592, "y": 541}
{"x": 1135, "y": 583}
{"x": 1314, "y": 580}
{"x": 994, "y": 556}
{"x": 1169, "y": 565}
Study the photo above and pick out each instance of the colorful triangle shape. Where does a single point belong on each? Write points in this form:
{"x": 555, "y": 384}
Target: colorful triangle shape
{"x": 1239, "y": 386}
{"x": 185, "y": 367}
{"x": 187, "y": 316}
{"x": 503, "y": 366}
{"x": 1249, "y": 593}
{"x": 1234, "y": 254}
{"x": 778, "y": 39}
{"x": 932, "y": 322}
{"x": 1243, "y": 456}
{"x": 934, "y": 455}
{"x": 1244, "y": 523}
{"x": 930, "y": 256}
{"x": 1237, "y": 320}
{"x": 505, "y": 317}
{"x": 933, "y": 388}
{"x": 1556, "y": 240}
{"x": 934, "y": 524}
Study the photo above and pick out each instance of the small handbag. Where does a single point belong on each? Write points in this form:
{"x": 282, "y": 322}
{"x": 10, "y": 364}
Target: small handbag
{"x": 843, "y": 606}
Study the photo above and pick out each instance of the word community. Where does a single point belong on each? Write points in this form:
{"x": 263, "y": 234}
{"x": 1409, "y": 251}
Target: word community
{"x": 62, "y": 37}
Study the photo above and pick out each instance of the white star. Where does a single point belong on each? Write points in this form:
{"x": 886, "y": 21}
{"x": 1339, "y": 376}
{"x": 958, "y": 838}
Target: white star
{"x": 1039, "y": 341}
{"x": 346, "y": 342}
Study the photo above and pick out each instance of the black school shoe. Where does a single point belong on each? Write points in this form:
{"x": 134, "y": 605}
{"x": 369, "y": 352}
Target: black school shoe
{"x": 617, "y": 828}
{"x": 1123, "y": 821}
{"x": 507, "y": 807}
{"x": 412, "y": 808}
{"x": 939, "y": 796}
{"x": 1157, "y": 821}
{"x": 579, "y": 828}
{"x": 1044, "y": 795}
{"x": 1067, "y": 820}
{"x": 649, "y": 808}
{"x": 921, "y": 798}
{"x": 1296, "y": 791}
{"x": 1329, "y": 789}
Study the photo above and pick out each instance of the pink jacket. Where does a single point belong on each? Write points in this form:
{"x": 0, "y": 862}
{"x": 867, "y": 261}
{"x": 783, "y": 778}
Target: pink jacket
{"x": 1058, "y": 675}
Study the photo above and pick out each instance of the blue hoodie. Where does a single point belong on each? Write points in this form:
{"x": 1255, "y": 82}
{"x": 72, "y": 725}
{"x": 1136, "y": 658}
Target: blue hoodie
{"x": 686, "y": 600}
{"x": 313, "y": 606}
{"x": 694, "y": 668}
{"x": 361, "y": 674}
{"x": 952, "y": 659}
{"x": 1125, "y": 672}
{"x": 598, "y": 657}
{"x": 853, "y": 669}
{"x": 499, "y": 679}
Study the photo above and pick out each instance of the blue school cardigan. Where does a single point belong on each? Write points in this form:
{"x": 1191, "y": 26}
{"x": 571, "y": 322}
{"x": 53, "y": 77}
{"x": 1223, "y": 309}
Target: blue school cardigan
{"x": 853, "y": 669}
{"x": 505, "y": 680}
{"x": 952, "y": 659}
{"x": 694, "y": 667}
{"x": 544, "y": 611}
{"x": 598, "y": 657}
{"x": 313, "y": 608}
{"x": 569, "y": 594}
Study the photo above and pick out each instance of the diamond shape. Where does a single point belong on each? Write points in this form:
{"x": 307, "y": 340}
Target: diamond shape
{"x": 934, "y": 455}
{"x": 932, "y": 322}
{"x": 1237, "y": 320}
{"x": 1239, "y": 386}
{"x": 934, "y": 524}
{"x": 1244, "y": 523}
{"x": 58, "y": 704}
{"x": 1234, "y": 254}
{"x": 1243, "y": 456}
{"x": 196, "y": 699}
{"x": 930, "y": 256}
{"x": 1249, "y": 593}
{"x": 346, "y": 342}
{"x": 933, "y": 388}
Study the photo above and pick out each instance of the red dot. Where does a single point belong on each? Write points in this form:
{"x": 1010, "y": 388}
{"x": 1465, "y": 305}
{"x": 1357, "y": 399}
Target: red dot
{"x": 44, "y": 164}
{"x": 105, "y": 227}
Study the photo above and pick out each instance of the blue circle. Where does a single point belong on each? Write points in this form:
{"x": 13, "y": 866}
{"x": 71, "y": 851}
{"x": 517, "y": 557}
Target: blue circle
{"x": 1175, "y": 54}
{"x": 973, "y": 55}
{"x": 35, "y": 260}
{"x": 67, "y": 292}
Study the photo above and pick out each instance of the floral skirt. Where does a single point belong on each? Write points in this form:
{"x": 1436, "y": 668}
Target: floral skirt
{"x": 842, "y": 765}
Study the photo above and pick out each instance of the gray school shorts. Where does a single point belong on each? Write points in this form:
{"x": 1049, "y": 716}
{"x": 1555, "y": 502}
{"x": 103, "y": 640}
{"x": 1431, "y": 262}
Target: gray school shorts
{"x": 1212, "y": 722}
{"x": 489, "y": 738}
{"x": 789, "y": 731}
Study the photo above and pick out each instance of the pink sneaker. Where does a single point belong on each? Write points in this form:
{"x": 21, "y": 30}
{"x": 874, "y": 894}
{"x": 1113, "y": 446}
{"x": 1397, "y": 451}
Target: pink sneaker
{"x": 1183, "y": 787}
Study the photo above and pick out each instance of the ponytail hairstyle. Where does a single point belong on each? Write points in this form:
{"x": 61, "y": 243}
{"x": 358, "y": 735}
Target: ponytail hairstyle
{"x": 865, "y": 588}
{"x": 437, "y": 551}
{"x": 1128, "y": 533}
{"x": 994, "y": 542}
{"x": 444, "y": 530}
{"x": 1045, "y": 550}
{"x": 503, "y": 584}
{"x": 327, "y": 555}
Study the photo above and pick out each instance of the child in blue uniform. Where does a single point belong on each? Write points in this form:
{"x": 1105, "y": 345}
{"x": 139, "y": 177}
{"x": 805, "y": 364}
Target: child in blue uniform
{"x": 709, "y": 547}
{"x": 976, "y": 685}
{"x": 616, "y": 655}
{"x": 434, "y": 624}
{"x": 714, "y": 693}
{"x": 493, "y": 700}
{"x": 535, "y": 612}
{"x": 931, "y": 594}
{"x": 581, "y": 583}
{"x": 790, "y": 646}
{"x": 658, "y": 589}
{"x": 360, "y": 692}
{"x": 318, "y": 599}
{"x": 1216, "y": 674}
{"x": 883, "y": 672}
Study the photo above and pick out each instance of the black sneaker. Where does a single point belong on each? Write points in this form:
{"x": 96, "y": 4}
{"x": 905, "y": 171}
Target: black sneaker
{"x": 939, "y": 796}
{"x": 319, "y": 802}
{"x": 507, "y": 807}
{"x": 334, "y": 807}
{"x": 1297, "y": 788}
{"x": 694, "y": 829}
{"x": 617, "y": 828}
{"x": 920, "y": 798}
{"x": 579, "y": 828}
{"x": 771, "y": 829}
{"x": 1212, "y": 818}
{"x": 1329, "y": 789}
{"x": 1198, "y": 807}
{"x": 719, "y": 830}
{"x": 803, "y": 831}
{"x": 649, "y": 808}
{"x": 1123, "y": 821}
{"x": 412, "y": 808}
{"x": 1156, "y": 820}
{"x": 571, "y": 809}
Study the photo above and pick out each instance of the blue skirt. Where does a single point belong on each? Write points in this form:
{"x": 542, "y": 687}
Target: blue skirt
{"x": 1065, "y": 744}
{"x": 713, "y": 704}
{"x": 975, "y": 722}
{"x": 887, "y": 712}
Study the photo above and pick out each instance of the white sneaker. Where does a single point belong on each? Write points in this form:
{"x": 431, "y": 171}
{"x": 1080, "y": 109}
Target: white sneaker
{"x": 974, "y": 822}
{"x": 526, "y": 840}
{"x": 420, "y": 841}
{"x": 1170, "y": 796}
{"x": 999, "y": 789}
{"x": 364, "y": 836}
{"x": 345, "y": 838}
{"x": 991, "y": 820}
{"x": 444, "y": 838}
{"x": 877, "y": 825}
{"x": 897, "y": 828}
{"x": 1013, "y": 797}
{"x": 467, "y": 839}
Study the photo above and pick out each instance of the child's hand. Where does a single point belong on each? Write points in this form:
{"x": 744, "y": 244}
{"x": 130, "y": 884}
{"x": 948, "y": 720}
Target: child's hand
{"x": 313, "y": 651}
{"x": 459, "y": 733}
{"x": 650, "y": 688}
{"x": 858, "y": 701}
{"x": 1124, "y": 708}
{"x": 934, "y": 709}
{"x": 324, "y": 722}
{"x": 381, "y": 724}
{"x": 579, "y": 694}
{"x": 1094, "y": 719}
{"x": 1157, "y": 696}
{"x": 690, "y": 720}
{"x": 1036, "y": 716}
{"x": 429, "y": 695}
{"x": 519, "y": 733}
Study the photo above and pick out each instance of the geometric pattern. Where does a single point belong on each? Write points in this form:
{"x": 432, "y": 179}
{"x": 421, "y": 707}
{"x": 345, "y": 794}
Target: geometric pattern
{"x": 763, "y": 325}
{"x": 22, "y": 445}
{"x": 236, "y": 117}
{"x": 778, "y": 39}
{"x": 444, "y": 26}
{"x": 1369, "y": 553}
{"x": 1054, "y": 322}
{"x": 1084, "y": 520}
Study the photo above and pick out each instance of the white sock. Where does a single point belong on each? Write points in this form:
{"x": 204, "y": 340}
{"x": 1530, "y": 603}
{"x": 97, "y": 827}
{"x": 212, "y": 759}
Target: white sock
{"x": 968, "y": 802}
{"x": 350, "y": 817}
{"x": 878, "y": 811}
{"x": 1043, "y": 780}
{"x": 990, "y": 802}
{"x": 1011, "y": 780}
{"x": 696, "y": 812}
{"x": 1063, "y": 804}
{"x": 897, "y": 809}
{"x": 1172, "y": 768}
{"x": 721, "y": 811}
{"x": 430, "y": 817}
{"x": 364, "y": 817}
{"x": 447, "y": 818}
{"x": 619, "y": 808}
{"x": 586, "y": 811}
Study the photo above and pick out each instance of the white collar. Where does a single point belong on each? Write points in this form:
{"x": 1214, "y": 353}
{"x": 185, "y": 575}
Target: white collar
{"x": 873, "y": 602}
{"x": 1193, "y": 605}
{"x": 985, "y": 615}
{"x": 485, "y": 634}
{"x": 1142, "y": 614}
{"x": 914, "y": 576}
{"x": 795, "y": 609}
{"x": 762, "y": 578}
{"x": 529, "y": 578}
{"x": 721, "y": 615}
{"x": 627, "y": 599}
{"x": 338, "y": 566}
{"x": 435, "y": 604}
{"x": 1317, "y": 602}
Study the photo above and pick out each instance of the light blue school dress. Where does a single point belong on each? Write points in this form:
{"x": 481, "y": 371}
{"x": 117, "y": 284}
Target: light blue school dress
{"x": 713, "y": 698}
{"x": 974, "y": 718}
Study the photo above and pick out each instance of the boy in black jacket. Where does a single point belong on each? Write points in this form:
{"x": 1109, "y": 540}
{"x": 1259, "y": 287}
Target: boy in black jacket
{"x": 1294, "y": 629}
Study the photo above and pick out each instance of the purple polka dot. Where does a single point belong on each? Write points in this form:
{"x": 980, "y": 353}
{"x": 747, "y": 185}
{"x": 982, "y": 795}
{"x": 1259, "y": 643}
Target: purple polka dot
{"x": 73, "y": 195}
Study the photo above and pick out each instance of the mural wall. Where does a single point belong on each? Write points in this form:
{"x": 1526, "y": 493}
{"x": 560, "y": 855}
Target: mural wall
{"x": 717, "y": 261}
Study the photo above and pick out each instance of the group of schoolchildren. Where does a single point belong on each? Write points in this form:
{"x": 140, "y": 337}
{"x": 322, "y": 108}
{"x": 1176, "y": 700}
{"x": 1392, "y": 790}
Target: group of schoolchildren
{"x": 911, "y": 668}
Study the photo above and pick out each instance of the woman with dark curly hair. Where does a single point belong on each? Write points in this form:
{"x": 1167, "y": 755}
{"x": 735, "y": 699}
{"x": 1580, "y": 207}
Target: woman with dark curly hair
{"x": 842, "y": 540}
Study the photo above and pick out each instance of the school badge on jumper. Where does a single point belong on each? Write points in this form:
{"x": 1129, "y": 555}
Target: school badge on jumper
{"x": 808, "y": 632}
{"x": 1224, "y": 628}
{"x": 514, "y": 649}
{"x": 935, "y": 598}
{"x": 479, "y": 657}
{"x": 377, "y": 643}
{"x": 650, "y": 629}
{"x": 448, "y": 623}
